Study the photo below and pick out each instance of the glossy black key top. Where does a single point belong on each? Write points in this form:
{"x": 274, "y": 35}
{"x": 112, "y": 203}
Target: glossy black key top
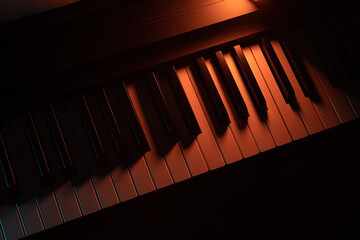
{"x": 90, "y": 127}
{"x": 218, "y": 108}
{"x": 231, "y": 87}
{"x": 132, "y": 118}
{"x": 37, "y": 150}
{"x": 7, "y": 169}
{"x": 57, "y": 135}
{"x": 249, "y": 80}
{"x": 182, "y": 102}
{"x": 151, "y": 88}
{"x": 278, "y": 71}
{"x": 299, "y": 69}
{"x": 111, "y": 122}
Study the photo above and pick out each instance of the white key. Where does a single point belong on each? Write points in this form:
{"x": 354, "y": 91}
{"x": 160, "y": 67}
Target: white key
{"x": 291, "y": 117}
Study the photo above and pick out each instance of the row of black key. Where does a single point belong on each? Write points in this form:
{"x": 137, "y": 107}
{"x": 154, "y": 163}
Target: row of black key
{"x": 110, "y": 110}
{"x": 335, "y": 39}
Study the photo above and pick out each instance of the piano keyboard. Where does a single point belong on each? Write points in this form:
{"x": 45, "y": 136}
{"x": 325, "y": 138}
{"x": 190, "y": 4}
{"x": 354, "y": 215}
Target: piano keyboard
{"x": 69, "y": 159}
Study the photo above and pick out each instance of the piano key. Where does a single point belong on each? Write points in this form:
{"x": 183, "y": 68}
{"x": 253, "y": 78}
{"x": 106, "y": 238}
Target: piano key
{"x": 37, "y": 150}
{"x": 157, "y": 111}
{"x": 214, "y": 104}
{"x": 205, "y": 140}
{"x": 180, "y": 122}
{"x": 50, "y": 210}
{"x": 11, "y": 223}
{"x": 249, "y": 80}
{"x": 274, "y": 120}
{"x": 128, "y": 123}
{"x": 142, "y": 177}
{"x": 291, "y": 116}
{"x": 188, "y": 145}
{"x": 67, "y": 164}
{"x": 239, "y": 129}
{"x": 323, "y": 106}
{"x": 30, "y": 216}
{"x": 225, "y": 140}
{"x": 102, "y": 180}
{"x": 46, "y": 199}
{"x": 336, "y": 97}
{"x": 172, "y": 156}
{"x": 331, "y": 96}
{"x": 124, "y": 183}
{"x": 257, "y": 126}
{"x": 88, "y": 123}
{"x": 114, "y": 145}
{"x": 132, "y": 119}
{"x": 111, "y": 145}
{"x": 182, "y": 102}
{"x": 111, "y": 122}
{"x": 353, "y": 97}
{"x": 82, "y": 183}
{"x": 299, "y": 69}
{"x": 48, "y": 146}
{"x": 228, "y": 143}
{"x": 325, "y": 52}
{"x": 230, "y": 86}
{"x": 343, "y": 59}
{"x": 306, "y": 108}
{"x": 27, "y": 206}
{"x": 161, "y": 106}
{"x": 64, "y": 191}
{"x": 7, "y": 169}
{"x": 278, "y": 72}
{"x": 345, "y": 44}
{"x": 67, "y": 201}
{"x": 194, "y": 158}
{"x": 155, "y": 161}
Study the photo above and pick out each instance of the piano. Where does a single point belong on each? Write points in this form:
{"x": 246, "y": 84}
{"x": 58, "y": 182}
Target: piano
{"x": 197, "y": 119}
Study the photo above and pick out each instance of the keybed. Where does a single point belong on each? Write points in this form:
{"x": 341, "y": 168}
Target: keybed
{"x": 103, "y": 147}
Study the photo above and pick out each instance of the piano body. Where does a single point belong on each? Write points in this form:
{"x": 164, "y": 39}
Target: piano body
{"x": 197, "y": 119}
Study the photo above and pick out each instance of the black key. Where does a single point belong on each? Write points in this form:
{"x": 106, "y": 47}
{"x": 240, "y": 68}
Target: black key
{"x": 37, "y": 150}
{"x": 21, "y": 171}
{"x": 231, "y": 87}
{"x": 299, "y": 69}
{"x": 6, "y": 169}
{"x": 278, "y": 71}
{"x": 316, "y": 35}
{"x": 73, "y": 144}
{"x": 181, "y": 113}
{"x": 111, "y": 141}
{"x": 91, "y": 130}
{"x": 61, "y": 147}
{"x": 157, "y": 110}
{"x": 51, "y": 151}
{"x": 347, "y": 50}
{"x": 182, "y": 102}
{"x": 23, "y": 155}
{"x": 249, "y": 80}
{"x": 217, "y": 106}
{"x": 111, "y": 123}
{"x": 132, "y": 119}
